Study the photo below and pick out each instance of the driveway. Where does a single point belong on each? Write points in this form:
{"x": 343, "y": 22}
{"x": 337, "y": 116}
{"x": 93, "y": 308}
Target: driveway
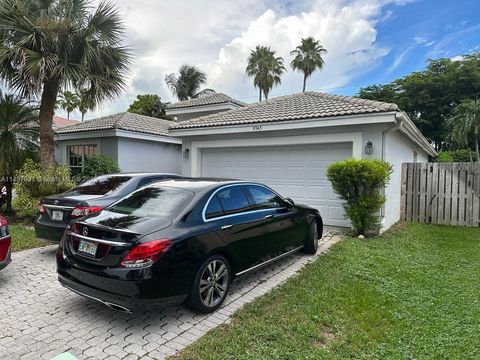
{"x": 40, "y": 319}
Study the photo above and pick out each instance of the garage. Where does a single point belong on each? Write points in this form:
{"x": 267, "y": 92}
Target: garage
{"x": 288, "y": 142}
{"x": 295, "y": 171}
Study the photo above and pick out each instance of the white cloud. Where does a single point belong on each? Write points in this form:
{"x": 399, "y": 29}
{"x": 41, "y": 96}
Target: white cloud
{"x": 218, "y": 36}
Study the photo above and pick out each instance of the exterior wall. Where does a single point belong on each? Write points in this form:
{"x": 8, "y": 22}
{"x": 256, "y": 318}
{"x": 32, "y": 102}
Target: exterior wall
{"x": 398, "y": 150}
{"x": 147, "y": 156}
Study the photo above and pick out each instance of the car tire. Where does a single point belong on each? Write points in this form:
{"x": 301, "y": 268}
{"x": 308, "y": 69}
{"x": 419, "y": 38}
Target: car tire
{"x": 311, "y": 242}
{"x": 211, "y": 284}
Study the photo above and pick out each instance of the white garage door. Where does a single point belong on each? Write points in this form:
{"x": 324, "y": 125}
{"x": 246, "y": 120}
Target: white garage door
{"x": 297, "y": 171}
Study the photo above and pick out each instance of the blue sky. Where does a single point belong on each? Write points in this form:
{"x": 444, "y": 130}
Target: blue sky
{"x": 418, "y": 31}
{"x": 368, "y": 41}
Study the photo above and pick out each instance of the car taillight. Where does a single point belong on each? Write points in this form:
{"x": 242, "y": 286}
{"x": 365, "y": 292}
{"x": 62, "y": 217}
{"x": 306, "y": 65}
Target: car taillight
{"x": 41, "y": 209}
{"x": 145, "y": 254}
{"x": 80, "y": 211}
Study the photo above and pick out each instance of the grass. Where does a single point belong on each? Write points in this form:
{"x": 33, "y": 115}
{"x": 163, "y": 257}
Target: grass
{"x": 23, "y": 237}
{"x": 412, "y": 294}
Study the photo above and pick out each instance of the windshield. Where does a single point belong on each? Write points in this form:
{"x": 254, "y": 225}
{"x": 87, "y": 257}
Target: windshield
{"x": 101, "y": 185}
{"x": 154, "y": 202}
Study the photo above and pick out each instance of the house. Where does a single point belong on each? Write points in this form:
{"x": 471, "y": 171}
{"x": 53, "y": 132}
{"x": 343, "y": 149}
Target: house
{"x": 207, "y": 102}
{"x": 288, "y": 142}
{"x": 60, "y": 122}
{"x": 138, "y": 143}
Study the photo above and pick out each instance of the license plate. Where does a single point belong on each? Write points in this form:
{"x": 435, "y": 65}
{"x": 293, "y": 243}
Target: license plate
{"x": 57, "y": 215}
{"x": 87, "y": 247}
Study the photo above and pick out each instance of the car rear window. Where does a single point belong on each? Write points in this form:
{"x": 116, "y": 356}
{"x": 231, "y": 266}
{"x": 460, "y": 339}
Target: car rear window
{"x": 154, "y": 202}
{"x": 102, "y": 185}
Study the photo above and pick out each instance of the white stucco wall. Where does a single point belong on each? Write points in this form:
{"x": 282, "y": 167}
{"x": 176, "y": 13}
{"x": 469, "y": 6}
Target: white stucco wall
{"x": 148, "y": 156}
{"x": 398, "y": 150}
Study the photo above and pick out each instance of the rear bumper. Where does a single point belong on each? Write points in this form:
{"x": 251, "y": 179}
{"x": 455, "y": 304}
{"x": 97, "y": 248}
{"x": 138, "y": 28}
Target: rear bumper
{"x": 49, "y": 231}
{"x": 123, "y": 289}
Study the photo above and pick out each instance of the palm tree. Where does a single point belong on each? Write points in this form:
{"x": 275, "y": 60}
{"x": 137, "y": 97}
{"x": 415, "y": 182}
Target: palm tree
{"x": 18, "y": 137}
{"x": 265, "y": 68}
{"x": 187, "y": 84}
{"x": 465, "y": 124}
{"x": 68, "y": 102}
{"x": 308, "y": 58}
{"x": 85, "y": 101}
{"x": 49, "y": 45}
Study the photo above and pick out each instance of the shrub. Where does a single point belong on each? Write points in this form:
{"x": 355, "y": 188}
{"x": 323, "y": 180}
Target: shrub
{"x": 98, "y": 165}
{"x": 461, "y": 155}
{"x": 359, "y": 184}
{"x": 33, "y": 183}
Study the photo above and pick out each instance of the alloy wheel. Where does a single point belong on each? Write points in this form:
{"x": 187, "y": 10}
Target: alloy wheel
{"x": 213, "y": 283}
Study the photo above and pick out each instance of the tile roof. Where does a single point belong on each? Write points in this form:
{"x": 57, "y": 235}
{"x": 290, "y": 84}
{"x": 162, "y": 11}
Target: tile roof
{"x": 59, "y": 122}
{"x": 122, "y": 121}
{"x": 210, "y": 99}
{"x": 290, "y": 107}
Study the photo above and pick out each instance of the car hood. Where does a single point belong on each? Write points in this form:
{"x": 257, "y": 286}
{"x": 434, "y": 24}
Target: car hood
{"x": 131, "y": 223}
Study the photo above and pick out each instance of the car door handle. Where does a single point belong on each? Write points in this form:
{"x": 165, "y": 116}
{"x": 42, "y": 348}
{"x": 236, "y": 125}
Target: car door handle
{"x": 226, "y": 227}
{"x": 269, "y": 216}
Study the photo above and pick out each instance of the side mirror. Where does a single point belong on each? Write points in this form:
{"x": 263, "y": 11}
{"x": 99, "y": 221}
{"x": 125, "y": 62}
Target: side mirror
{"x": 290, "y": 201}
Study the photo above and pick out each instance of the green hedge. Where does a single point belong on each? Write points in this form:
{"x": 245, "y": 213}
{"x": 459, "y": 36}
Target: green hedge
{"x": 32, "y": 183}
{"x": 462, "y": 155}
{"x": 359, "y": 184}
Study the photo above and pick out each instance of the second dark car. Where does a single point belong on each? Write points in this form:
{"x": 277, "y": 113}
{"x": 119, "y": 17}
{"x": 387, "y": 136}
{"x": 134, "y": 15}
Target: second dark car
{"x": 56, "y": 211}
{"x": 182, "y": 240}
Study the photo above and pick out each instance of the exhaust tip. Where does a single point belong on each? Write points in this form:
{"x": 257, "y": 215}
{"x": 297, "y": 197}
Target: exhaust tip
{"x": 117, "y": 307}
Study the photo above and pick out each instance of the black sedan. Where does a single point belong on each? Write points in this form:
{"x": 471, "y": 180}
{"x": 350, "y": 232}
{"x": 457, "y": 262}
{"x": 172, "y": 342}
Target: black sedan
{"x": 182, "y": 240}
{"x": 56, "y": 211}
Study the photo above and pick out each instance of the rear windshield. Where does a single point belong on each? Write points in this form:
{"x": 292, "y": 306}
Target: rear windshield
{"x": 101, "y": 185}
{"x": 154, "y": 202}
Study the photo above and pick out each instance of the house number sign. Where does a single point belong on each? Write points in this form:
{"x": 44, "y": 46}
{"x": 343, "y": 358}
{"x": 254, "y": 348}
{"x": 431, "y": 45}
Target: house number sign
{"x": 257, "y": 127}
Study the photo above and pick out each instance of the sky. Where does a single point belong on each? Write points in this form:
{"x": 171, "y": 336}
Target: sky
{"x": 368, "y": 41}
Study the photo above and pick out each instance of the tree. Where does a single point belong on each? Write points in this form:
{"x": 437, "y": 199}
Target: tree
{"x": 68, "y": 102}
{"x": 308, "y": 58}
{"x": 49, "y": 45}
{"x": 429, "y": 96}
{"x": 187, "y": 84}
{"x": 265, "y": 68}
{"x": 85, "y": 101}
{"x": 148, "y": 105}
{"x": 18, "y": 138}
{"x": 465, "y": 125}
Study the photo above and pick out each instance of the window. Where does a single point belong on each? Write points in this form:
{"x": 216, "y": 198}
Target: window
{"x": 157, "y": 202}
{"x": 263, "y": 198}
{"x": 77, "y": 155}
{"x": 101, "y": 185}
{"x": 214, "y": 208}
{"x": 233, "y": 200}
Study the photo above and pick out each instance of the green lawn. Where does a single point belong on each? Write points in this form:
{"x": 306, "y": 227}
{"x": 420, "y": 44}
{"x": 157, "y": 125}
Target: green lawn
{"x": 412, "y": 294}
{"x": 23, "y": 237}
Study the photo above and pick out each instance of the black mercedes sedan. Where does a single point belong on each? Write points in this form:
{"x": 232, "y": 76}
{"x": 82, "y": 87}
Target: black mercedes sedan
{"x": 56, "y": 211}
{"x": 182, "y": 241}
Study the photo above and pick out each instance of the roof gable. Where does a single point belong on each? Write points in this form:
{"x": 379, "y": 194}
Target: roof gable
{"x": 291, "y": 107}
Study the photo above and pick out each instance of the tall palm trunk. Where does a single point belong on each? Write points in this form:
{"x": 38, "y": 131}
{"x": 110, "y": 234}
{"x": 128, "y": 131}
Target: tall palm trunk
{"x": 259, "y": 94}
{"x": 47, "y": 108}
{"x": 304, "y": 82}
{"x": 8, "y": 182}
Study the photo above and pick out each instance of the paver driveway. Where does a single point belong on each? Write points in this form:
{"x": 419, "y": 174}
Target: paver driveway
{"x": 40, "y": 319}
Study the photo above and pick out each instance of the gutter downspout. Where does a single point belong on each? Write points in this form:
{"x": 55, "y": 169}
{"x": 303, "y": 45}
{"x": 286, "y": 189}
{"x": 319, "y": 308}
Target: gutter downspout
{"x": 397, "y": 126}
